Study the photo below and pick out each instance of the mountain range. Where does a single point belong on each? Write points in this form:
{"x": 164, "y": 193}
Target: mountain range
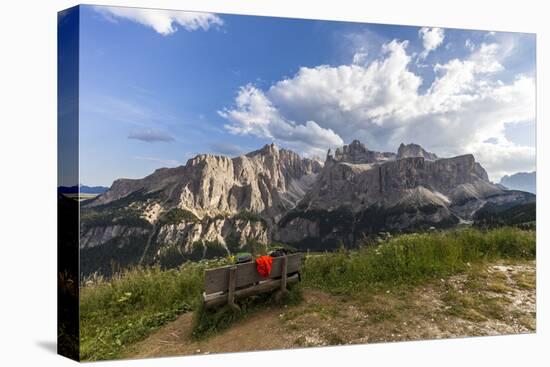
{"x": 525, "y": 181}
{"x": 216, "y": 205}
{"x": 83, "y": 189}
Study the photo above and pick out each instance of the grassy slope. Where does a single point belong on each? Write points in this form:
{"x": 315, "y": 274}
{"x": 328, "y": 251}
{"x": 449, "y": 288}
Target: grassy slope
{"x": 123, "y": 310}
{"x": 413, "y": 257}
{"x": 128, "y": 308}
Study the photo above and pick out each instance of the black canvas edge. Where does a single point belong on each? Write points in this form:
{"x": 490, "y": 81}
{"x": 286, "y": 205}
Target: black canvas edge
{"x": 68, "y": 328}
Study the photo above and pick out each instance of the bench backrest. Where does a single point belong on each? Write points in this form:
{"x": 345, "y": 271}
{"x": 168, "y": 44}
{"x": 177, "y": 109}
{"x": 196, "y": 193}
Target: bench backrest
{"x": 217, "y": 280}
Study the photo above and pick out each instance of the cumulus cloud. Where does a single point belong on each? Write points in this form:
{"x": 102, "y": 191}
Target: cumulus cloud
{"x": 254, "y": 114}
{"x": 465, "y": 110}
{"x": 150, "y": 135}
{"x": 347, "y": 97}
{"x": 162, "y": 21}
{"x": 431, "y": 39}
{"x": 469, "y": 44}
{"x": 360, "y": 56}
{"x": 505, "y": 158}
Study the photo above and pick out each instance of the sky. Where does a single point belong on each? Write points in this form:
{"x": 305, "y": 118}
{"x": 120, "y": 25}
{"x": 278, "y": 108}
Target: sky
{"x": 158, "y": 87}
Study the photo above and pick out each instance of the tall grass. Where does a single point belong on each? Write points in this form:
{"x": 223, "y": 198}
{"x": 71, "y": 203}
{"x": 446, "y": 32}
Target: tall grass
{"x": 126, "y": 308}
{"x": 412, "y": 257}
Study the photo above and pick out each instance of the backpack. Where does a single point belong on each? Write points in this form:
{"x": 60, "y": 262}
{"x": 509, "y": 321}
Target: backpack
{"x": 243, "y": 257}
{"x": 281, "y": 252}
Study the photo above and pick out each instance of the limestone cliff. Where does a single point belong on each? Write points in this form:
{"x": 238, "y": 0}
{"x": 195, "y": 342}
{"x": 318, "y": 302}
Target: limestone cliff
{"x": 214, "y": 200}
{"x": 268, "y": 181}
{"x": 360, "y": 192}
{"x": 216, "y": 205}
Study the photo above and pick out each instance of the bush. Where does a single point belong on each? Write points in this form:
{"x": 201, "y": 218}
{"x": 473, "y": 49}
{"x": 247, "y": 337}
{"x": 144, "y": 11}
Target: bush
{"x": 255, "y": 247}
{"x": 170, "y": 257}
{"x": 176, "y": 216}
{"x": 126, "y": 217}
{"x": 215, "y": 249}
{"x": 250, "y": 216}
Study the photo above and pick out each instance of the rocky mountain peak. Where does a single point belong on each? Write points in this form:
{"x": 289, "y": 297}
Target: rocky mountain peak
{"x": 414, "y": 150}
{"x": 274, "y": 194}
{"x": 268, "y": 149}
{"x": 206, "y": 159}
{"x": 268, "y": 180}
{"x": 357, "y": 153}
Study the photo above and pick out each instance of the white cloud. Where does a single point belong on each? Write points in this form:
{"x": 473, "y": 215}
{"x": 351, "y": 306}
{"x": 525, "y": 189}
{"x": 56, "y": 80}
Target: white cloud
{"x": 505, "y": 159}
{"x": 380, "y": 103}
{"x": 346, "y": 97}
{"x": 487, "y": 57}
{"x": 431, "y": 39}
{"x": 360, "y": 56}
{"x": 164, "y": 22}
{"x": 254, "y": 114}
{"x": 469, "y": 45}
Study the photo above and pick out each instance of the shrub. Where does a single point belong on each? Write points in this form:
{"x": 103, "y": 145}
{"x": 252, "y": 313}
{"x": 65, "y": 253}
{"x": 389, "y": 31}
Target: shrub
{"x": 250, "y": 216}
{"x": 176, "y": 216}
{"x": 255, "y": 247}
{"x": 214, "y": 249}
{"x": 170, "y": 257}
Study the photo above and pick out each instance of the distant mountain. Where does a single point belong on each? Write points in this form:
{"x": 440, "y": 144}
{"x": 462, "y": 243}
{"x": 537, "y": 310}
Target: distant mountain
{"x": 211, "y": 206}
{"x": 524, "y": 181}
{"x": 216, "y": 205}
{"x": 361, "y": 192}
{"x": 83, "y": 189}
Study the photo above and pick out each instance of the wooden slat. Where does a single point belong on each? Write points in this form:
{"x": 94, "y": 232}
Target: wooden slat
{"x": 284, "y": 272}
{"x": 217, "y": 280}
{"x": 231, "y": 293}
{"x": 211, "y": 300}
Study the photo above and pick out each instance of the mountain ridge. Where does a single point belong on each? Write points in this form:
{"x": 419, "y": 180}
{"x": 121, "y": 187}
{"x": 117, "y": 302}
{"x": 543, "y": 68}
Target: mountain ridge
{"x": 525, "y": 181}
{"x": 216, "y": 205}
{"x": 83, "y": 189}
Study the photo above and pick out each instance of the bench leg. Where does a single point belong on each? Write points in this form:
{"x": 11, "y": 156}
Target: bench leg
{"x": 282, "y": 292}
{"x": 231, "y": 292}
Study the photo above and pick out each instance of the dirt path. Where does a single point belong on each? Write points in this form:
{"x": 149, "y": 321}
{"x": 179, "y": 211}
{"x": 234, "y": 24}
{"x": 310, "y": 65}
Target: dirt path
{"x": 492, "y": 300}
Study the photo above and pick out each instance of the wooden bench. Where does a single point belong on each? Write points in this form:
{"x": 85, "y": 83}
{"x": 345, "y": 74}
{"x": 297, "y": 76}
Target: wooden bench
{"x": 229, "y": 283}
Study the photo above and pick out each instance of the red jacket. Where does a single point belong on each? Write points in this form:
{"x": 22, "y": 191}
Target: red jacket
{"x": 263, "y": 264}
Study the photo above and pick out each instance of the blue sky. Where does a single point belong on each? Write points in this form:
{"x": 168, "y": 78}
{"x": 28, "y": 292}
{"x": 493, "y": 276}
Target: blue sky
{"x": 158, "y": 87}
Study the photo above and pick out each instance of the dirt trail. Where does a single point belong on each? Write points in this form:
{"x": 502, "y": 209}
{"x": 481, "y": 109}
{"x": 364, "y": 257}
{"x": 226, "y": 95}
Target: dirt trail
{"x": 262, "y": 330}
{"x": 498, "y": 299}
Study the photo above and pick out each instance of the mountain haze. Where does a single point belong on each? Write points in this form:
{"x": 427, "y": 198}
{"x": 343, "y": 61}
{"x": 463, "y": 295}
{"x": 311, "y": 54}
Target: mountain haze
{"x": 526, "y": 181}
